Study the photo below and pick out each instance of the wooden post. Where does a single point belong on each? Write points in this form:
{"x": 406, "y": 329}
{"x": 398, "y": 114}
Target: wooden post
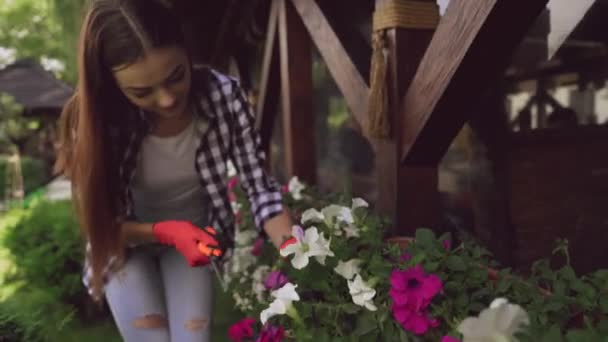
{"x": 296, "y": 94}
{"x": 406, "y": 193}
{"x": 270, "y": 82}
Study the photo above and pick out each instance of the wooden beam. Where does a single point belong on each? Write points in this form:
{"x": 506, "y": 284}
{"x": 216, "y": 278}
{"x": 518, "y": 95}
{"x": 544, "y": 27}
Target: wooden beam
{"x": 296, "y": 94}
{"x": 270, "y": 81}
{"x": 471, "y": 48}
{"x": 351, "y": 30}
{"x": 407, "y": 195}
{"x": 350, "y": 82}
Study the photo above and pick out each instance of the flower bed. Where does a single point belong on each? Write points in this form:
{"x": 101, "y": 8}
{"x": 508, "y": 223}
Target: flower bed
{"x": 339, "y": 279}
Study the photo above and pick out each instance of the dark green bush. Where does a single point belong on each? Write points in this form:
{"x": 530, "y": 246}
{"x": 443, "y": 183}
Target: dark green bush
{"x": 45, "y": 248}
{"x": 33, "y": 315}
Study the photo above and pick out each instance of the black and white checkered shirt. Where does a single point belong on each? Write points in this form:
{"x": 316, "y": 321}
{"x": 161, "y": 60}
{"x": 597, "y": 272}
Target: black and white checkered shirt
{"x": 226, "y": 133}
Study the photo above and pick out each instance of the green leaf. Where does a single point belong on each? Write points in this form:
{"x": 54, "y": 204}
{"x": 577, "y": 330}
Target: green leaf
{"x": 504, "y": 285}
{"x": 403, "y": 336}
{"x": 559, "y": 287}
{"x": 351, "y": 308}
{"x": 425, "y": 237}
{"x": 455, "y": 263}
{"x": 567, "y": 273}
{"x": 604, "y": 304}
{"x": 432, "y": 267}
{"x": 462, "y": 301}
{"x": 552, "y": 335}
{"x": 366, "y": 323}
{"x": 418, "y": 258}
{"x": 582, "y": 336}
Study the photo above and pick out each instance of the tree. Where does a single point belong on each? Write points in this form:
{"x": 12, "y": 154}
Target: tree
{"x": 45, "y": 30}
{"x": 15, "y": 128}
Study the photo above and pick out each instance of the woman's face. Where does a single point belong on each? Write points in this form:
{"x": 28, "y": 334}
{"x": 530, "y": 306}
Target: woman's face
{"x": 159, "y": 82}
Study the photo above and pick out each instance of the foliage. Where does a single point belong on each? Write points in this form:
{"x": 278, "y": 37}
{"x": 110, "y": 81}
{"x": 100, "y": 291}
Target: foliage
{"x": 14, "y": 127}
{"x": 42, "y": 30}
{"x": 33, "y": 316}
{"x": 44, "y": 246}
{"x": 560, "y": 305}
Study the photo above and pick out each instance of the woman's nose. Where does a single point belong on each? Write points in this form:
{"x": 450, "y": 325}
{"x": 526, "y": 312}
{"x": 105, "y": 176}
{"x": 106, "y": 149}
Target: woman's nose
{"x": 166, "y": 99}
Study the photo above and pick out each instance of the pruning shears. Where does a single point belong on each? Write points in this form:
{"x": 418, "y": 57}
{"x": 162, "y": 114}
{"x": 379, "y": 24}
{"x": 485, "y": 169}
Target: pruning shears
{"x": 213, "y": 251}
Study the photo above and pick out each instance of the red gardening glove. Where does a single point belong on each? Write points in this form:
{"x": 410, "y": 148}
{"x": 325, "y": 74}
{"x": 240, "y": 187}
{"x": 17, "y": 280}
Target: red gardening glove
{"x": 186, "y": 238}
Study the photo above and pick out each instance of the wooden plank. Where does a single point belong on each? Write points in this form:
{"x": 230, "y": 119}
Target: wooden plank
{"x": 297, "y": 91}
{"x": 407, "y": 195}
{"x": 353, "y": 30}
{"x": 270, "y": 81}
{"x": 471, "y": 48}
{"x": 350, "y": 82}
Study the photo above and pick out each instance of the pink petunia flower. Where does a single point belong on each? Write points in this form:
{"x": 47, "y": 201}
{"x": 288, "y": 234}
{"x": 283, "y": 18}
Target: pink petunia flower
{"x": 275, "y": 280}
{"x": 414, "y": 288}
{"x": 241, "y": 330}
{"x": 232, "y": 183}
{"x": 417, "y": 322}
{"x": 447, "y": 244}
{"x": 271, "y": 334}
{"x": 448, "y": 338}
{"x": 257, "y": 246}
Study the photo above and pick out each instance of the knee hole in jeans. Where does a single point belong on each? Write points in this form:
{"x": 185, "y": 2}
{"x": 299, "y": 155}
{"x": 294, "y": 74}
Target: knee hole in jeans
{"x": 196, "y": 324}
{"x": 153, "y": 321}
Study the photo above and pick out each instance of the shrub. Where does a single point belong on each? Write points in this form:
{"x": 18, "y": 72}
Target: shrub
{"x": 34, "y": 316}
{"x": 45, "y": 249}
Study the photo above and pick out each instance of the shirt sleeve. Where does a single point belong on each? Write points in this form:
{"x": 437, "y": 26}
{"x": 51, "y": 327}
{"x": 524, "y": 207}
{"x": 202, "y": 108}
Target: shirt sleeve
{"x": 263, "y": 191}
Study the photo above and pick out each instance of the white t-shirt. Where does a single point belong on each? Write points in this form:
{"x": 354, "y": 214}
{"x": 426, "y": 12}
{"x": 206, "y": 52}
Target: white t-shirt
{"x": 166, "y": 184}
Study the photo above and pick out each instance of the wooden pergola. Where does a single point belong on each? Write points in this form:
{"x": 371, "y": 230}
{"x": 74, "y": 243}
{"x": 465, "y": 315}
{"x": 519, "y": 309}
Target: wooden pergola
{"x": 437, "y": 79}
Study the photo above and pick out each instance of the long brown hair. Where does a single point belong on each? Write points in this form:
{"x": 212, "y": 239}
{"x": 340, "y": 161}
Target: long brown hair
{"x": 114, "y": 33}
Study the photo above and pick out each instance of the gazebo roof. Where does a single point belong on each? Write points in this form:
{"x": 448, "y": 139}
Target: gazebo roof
{"x": 33, "y": 87}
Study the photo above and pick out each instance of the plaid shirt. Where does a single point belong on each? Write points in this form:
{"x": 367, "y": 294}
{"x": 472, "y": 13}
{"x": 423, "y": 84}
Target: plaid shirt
{"x": 226, "y": 133}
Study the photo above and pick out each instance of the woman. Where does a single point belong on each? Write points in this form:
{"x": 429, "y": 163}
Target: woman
{"x": 145, "y": 141}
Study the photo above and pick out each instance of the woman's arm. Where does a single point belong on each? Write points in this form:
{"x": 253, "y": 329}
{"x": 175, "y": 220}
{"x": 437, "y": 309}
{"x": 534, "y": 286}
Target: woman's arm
{"x": 278, "y": 228}
{"x": 137, "y": 232}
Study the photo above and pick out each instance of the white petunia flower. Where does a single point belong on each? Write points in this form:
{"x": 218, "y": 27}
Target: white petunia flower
{"x": 312, "y": 215}
{"x": 257, "y": 283}
{"x": 498, "y": 323}
{"x": 236, "y": 207}
{"x": 338, "y": 218}
{"x": 295, "y": 188}
{"x": 359, "y": 203}
{"x": 231, "y": 169}
{"x": 241, "y": 260}
{"x": 282, "y": 302}
{"x": 348, "y": 269}
{"x": 361, "y": 293}
{"x": 245, "y": 237}
{"x": 351, "y": 231}
{"x": 308, "y": 244}
{"x": 242, "y": 303}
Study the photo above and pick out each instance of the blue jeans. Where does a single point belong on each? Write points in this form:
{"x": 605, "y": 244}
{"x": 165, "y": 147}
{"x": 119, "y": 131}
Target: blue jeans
{"x": 158, "y": 297}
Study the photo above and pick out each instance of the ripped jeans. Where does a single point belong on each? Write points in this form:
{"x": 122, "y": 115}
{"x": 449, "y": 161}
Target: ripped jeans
{"x": 158, "y": 297}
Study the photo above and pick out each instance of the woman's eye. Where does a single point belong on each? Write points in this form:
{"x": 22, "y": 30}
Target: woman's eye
{"x": 176, "y": 78}
{"x": 141, "y": 95}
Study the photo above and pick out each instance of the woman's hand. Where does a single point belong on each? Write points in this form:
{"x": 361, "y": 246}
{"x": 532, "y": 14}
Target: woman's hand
{"x": 278, "y": 228}
{"x": 186, "y": 238}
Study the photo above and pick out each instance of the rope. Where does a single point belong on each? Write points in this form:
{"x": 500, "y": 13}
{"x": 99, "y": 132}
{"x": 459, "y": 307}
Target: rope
{"x": 405, "y": 14}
